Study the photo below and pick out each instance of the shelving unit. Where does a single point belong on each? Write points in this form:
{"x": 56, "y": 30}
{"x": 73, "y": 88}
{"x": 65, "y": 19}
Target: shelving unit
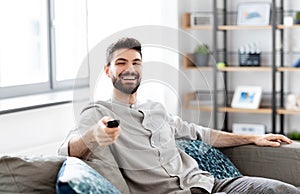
{"x": 288, "y": 112}
{"x": 290, "y": 69}
{"x": 274, "y": 68}
{"x": 281, "y": 70}
{"x": 281, "y": 26}
{"x": 243, "y": 69}
{"x": 190, "y": 96}
{"x": 186, "y": 24}
{"x": 234, "y": 27}
{"x": 187, "y": 64}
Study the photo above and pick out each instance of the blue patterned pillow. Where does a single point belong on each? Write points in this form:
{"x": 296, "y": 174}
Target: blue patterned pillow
{"x": 209, "y": 158}
{"x": 76, "y": 177}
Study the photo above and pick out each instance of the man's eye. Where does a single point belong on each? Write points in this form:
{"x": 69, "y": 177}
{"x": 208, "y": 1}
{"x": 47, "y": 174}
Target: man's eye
{"x": 136, "y": 63}
{"x": 120, "y": 63}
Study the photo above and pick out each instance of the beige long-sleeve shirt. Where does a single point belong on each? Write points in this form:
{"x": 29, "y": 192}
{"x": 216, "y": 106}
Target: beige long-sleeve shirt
{"x": 145, "y": 151}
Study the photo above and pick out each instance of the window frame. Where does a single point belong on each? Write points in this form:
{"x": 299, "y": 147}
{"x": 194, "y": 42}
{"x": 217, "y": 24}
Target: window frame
{"x": 52, "y": 85}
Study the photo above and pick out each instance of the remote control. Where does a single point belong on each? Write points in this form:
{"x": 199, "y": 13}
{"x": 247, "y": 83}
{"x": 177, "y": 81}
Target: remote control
{"x": 113, "y": 123}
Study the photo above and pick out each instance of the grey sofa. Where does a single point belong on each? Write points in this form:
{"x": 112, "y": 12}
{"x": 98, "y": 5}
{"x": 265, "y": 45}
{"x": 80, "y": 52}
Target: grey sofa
{"x": 281, "y": 163}
{"x": 38, "y": 174}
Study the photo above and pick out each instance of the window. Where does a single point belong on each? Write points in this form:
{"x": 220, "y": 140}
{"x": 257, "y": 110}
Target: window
{"x": 70, "y": 38}
{"x": 37, "y": 57}
{"x": 23, "y": 48}
{"x": 44, "y": 42}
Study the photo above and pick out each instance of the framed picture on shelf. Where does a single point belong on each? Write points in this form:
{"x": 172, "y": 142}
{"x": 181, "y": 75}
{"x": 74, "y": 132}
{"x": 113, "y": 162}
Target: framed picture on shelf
{"x": 247, "y": 97}
{"x": 253, "y": 14}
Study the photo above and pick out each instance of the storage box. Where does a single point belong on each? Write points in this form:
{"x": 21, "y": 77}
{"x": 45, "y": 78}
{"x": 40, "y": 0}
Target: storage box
{"x": 248, "y": 129}
{"x": 249, "y": 59}
{"x": 200, "y": 19}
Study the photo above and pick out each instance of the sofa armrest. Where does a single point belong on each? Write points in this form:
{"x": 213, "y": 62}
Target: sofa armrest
{"x": 281, "y": 163}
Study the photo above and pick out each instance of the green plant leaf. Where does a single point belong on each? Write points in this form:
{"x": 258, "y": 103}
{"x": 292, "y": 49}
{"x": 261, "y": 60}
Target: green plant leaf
{"x": 202, "y": 48}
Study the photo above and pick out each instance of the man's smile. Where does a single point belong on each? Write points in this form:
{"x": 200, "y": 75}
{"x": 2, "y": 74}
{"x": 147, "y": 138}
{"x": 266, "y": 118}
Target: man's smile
{"x": 128, "y": 78}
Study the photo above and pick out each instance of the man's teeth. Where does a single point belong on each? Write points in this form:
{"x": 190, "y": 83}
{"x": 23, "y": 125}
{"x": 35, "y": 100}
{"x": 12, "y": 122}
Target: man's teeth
{"x": 128, "y": 77}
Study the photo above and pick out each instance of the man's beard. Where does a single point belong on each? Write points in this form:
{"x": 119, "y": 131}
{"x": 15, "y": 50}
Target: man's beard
{"x": 126, "y": 88}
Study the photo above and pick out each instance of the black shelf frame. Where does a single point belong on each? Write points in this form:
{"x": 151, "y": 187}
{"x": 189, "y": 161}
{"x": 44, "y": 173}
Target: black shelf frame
{"x": 281, "y": 116}
{"x": 273, "y": 61}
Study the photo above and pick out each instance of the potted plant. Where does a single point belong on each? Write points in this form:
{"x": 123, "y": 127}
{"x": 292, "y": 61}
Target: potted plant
{"x": 295, "y": 135}
{"x": 297, "y": 18}
{"x": 201, "y": 55}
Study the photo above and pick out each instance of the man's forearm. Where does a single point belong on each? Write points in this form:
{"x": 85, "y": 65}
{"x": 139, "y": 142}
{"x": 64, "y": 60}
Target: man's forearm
{"x": 80, "y": 146}
{"x": 224, "y": 139}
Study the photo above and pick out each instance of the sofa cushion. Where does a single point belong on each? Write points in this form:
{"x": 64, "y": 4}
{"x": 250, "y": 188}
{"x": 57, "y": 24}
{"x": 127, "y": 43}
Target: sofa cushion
{"x": 20, "y": 174}
{"x": 209, "y": 158}
{"x": 280, "y": 163}
{"x": 75, "y": 176}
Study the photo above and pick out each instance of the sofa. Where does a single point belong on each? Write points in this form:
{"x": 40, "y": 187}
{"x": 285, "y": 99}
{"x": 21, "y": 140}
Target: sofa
{"x": 38, "y": 174}
{"x": 280, "y": 163}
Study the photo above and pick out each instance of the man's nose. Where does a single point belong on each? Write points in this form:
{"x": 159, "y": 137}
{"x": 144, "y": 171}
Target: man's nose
{"x": 130, "y": 67}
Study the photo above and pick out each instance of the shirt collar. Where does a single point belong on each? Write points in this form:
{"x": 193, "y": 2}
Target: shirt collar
{"x": 115, "y": 101}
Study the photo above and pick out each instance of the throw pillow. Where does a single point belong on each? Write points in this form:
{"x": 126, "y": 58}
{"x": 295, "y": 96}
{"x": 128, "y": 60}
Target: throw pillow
{"x": 209, "y": 158}
{"x": 29, "y": 174}
{"x": 75, "y": 176}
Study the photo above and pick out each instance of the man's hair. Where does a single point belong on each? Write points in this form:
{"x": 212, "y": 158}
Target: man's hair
{"x": 123, "y": 43}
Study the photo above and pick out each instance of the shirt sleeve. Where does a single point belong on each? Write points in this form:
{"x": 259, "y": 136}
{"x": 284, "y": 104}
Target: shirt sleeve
{"x": 63, "y": 150}
{"x": 187, "y": 130}
{"x": 89, "y": 117}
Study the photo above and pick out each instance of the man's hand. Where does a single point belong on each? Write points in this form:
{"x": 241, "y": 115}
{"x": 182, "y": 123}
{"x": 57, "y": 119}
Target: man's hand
{"x": 103, "y": 134}
{"x": 273, "y": 140}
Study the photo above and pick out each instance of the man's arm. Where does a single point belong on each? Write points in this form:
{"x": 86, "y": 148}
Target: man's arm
{"x": 224, "y": 139}
{"x": 80, "y": 146}
{"x": 97, "y": 135}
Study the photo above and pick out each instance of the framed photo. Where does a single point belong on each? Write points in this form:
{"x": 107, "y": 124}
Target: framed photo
{"x": 247, "y": 97}
{"x": 253, "y": 14}
{"x": 248, "y": 129}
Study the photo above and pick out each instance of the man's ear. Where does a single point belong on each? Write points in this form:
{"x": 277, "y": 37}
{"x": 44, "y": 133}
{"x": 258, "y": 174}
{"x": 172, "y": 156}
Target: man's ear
{"x": 107, "y": 71}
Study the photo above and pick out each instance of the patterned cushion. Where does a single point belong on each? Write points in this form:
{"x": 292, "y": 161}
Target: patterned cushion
{"x": 209, "y": 158}
{"x": 75, "y": 176}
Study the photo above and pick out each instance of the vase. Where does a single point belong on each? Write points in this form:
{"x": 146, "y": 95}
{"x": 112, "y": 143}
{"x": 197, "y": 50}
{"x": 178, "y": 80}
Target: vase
{"x": 201, "y": 59}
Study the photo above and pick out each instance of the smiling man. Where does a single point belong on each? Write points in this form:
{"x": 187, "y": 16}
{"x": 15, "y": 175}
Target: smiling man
{"x": 143, "y": 145}
{"x": 125, "y": 80}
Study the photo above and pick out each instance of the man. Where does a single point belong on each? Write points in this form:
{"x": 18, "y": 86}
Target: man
{"x": 143, "y": 146}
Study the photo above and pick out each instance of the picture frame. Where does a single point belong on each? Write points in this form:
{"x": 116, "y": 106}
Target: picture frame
{"x": 253, "y": 14}
{"x": 248, "y": 129}
{"x": 248, "y": 97}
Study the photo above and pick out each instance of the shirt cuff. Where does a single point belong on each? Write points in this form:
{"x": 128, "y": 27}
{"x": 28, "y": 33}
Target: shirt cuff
{"x": 64, "y": 148}
{"x": 205, "y": 134}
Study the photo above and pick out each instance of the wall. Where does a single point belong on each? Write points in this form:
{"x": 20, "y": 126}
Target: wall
{"x": 39, "y": 131}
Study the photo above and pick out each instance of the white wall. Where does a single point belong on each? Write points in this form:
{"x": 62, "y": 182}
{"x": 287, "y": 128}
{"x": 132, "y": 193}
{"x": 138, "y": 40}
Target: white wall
{"x": 37, "y": 131}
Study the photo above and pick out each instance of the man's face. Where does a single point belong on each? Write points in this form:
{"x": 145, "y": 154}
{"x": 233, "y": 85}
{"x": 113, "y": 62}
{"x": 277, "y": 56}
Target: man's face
{"x": 125, "y": 70}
